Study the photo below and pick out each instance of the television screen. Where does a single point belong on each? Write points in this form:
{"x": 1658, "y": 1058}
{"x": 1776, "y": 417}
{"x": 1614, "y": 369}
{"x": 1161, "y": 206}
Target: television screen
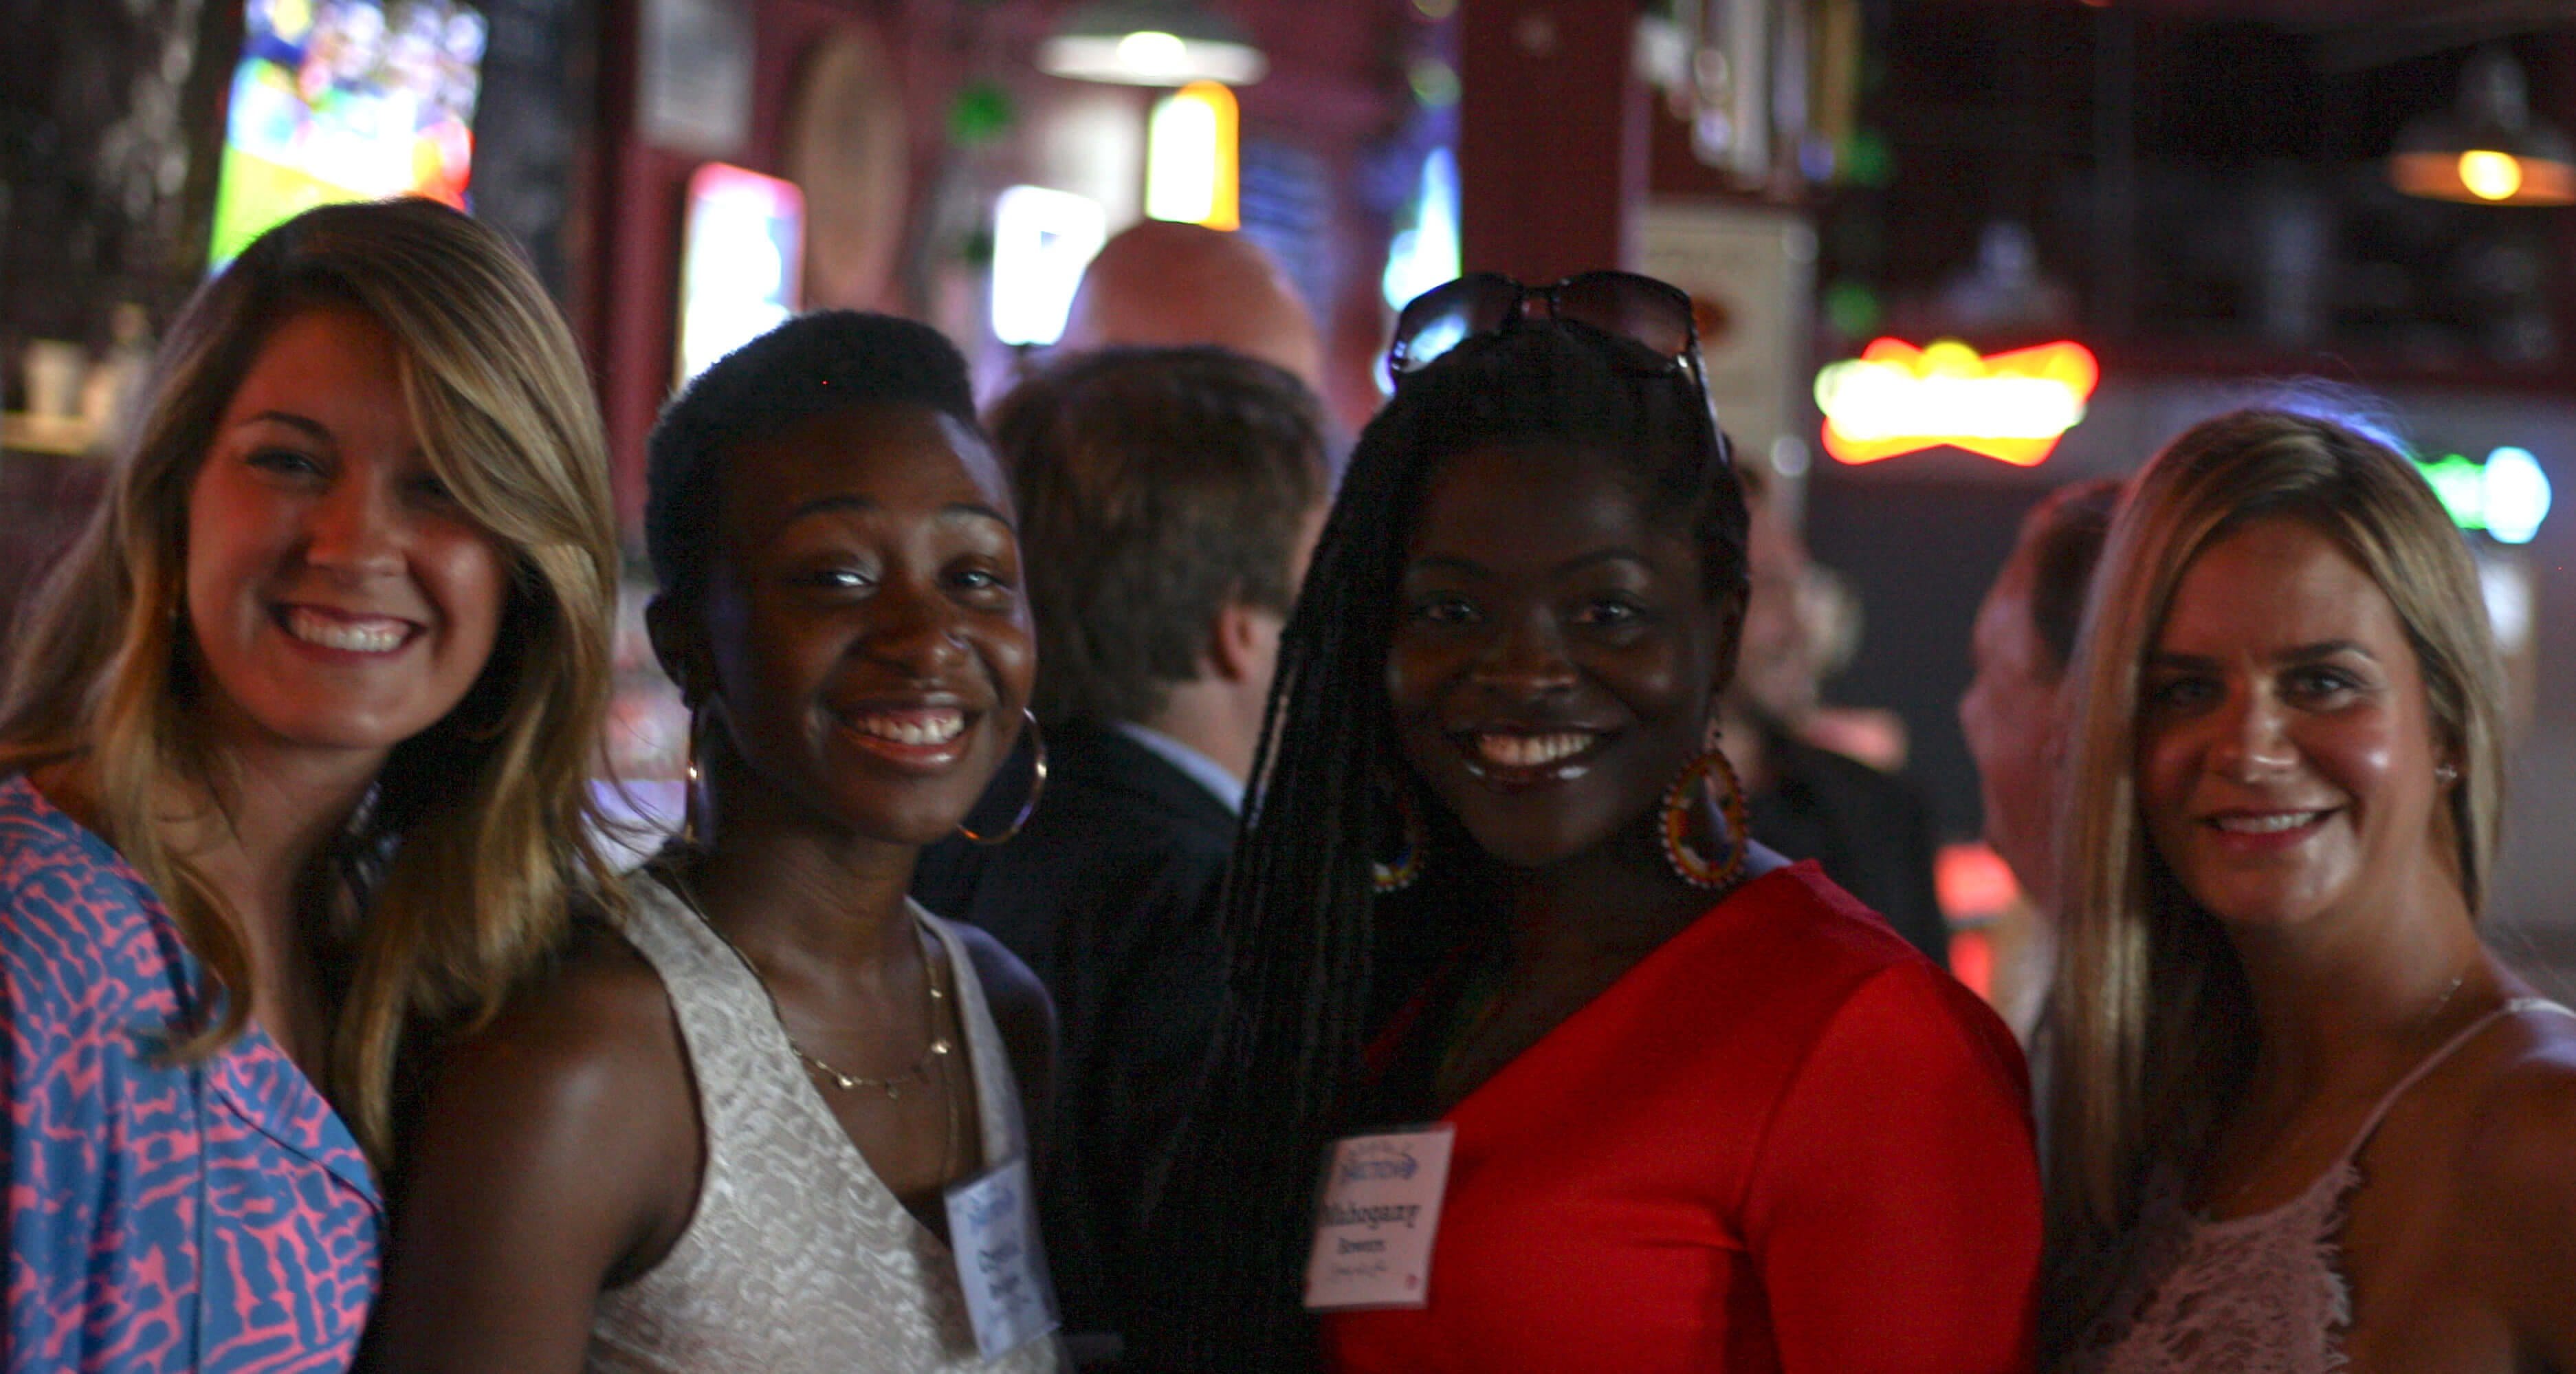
{"x": 345, "y": 100}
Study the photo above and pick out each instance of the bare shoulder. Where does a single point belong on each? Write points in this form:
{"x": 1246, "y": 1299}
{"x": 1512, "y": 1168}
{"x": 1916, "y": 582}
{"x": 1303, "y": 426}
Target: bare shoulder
{"x": 2520, "y": 1127}
{"x": 1019, "y": 1002}
{"x": 558, "y": 1155}
{"x": 2517, "y": 1135}
{"x": 1024, "y": 1016}
{"x": 598, "y": 1023}
{"x": 585, "y": 1055}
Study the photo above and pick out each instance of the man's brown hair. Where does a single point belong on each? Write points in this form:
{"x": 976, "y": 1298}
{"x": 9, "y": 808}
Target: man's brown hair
{"x": 1155, "y": 485}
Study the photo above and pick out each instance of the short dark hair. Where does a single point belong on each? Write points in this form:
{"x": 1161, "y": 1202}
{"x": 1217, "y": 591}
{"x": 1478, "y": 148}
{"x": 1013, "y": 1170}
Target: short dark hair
{"x": 2064, "y": 535}
{"x": 818, "y": 364}
{"x": 1154, "y": 485}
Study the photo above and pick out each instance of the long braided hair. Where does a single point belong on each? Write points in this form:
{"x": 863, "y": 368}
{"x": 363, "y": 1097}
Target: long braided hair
{"x": 1318, "y": 956}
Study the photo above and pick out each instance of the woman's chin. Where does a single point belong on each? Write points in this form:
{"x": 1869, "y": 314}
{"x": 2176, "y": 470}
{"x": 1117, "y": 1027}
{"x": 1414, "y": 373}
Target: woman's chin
{"x": 1527, "y": 848}
{"x": 909, "y": 826}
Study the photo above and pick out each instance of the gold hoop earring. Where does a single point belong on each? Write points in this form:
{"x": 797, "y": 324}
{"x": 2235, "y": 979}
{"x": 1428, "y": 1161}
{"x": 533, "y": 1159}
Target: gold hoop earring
{"x": 1689, "y": 864}
{"x": 1406, "y": 869}
{"x": 691, "y": 776}
{"x": 1037, "y": 786}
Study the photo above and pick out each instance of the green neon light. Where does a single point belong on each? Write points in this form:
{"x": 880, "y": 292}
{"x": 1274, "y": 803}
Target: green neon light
{"x": 2461, "y": 485}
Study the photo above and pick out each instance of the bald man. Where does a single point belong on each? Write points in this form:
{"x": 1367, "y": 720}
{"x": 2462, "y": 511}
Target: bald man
{"x": 1163, "y": 283}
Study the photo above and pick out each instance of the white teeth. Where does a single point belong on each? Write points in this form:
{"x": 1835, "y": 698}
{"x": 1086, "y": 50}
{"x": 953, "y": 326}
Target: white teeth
{"x": 1531, "y": 751}
{"x": 2266, "y": 825}
{"x": 918, "y": 727}
{"x": 353, "y": 636}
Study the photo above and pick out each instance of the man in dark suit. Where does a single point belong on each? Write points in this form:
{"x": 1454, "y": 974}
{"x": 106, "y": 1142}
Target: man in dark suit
{"x": 1168, "y": 498}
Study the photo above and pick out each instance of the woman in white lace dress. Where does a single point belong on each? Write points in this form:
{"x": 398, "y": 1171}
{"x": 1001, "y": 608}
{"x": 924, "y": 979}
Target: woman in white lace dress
{"x": 725, "y": 1139}
{"x": 2302, "y": 1119}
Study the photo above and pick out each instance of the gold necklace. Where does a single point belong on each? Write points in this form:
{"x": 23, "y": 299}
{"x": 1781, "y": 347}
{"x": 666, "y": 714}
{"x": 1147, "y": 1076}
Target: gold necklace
{"x": 2423, "y": 1021}
{"x": 935, "y": 1052}
{"x": 935, "y": 1055}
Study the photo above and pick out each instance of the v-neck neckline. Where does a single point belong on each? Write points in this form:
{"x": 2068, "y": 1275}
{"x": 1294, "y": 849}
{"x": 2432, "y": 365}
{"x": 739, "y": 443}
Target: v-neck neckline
{"x": 254, "y": 1075}
{"x": 1569, "y": 1031}
{"x": 975, "y": 1028}
{"x": 818, "y": 1109}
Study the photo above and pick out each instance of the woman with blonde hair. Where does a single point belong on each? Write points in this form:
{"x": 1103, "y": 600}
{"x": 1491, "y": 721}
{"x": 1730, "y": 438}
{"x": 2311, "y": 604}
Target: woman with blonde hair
{"x": 293, "y": 755}
{"x": 2303, "y": 1120}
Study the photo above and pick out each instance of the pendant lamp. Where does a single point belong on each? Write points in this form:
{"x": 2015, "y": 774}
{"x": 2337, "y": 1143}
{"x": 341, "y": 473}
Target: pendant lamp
{"x": 1152, "y": 43}
{"x": 2488, "y": 151}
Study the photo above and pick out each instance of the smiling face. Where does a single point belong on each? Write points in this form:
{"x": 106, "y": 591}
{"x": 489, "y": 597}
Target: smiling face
{"x": 2286, "y": 755}
{"x": 337, "y": 596}
{"x": 865, "y": 622}
{"x": 1555, "y": 650}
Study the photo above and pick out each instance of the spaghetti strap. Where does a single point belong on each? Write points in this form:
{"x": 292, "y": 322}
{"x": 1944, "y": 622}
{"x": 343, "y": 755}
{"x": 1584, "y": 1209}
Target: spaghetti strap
{"x": 2265, "y": 1291}
{"x": 2512, "y": 1007}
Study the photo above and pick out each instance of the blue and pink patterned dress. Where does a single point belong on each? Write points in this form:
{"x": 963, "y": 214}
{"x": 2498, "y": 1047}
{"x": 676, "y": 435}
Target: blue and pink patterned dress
{"x": 212, "y": 1216}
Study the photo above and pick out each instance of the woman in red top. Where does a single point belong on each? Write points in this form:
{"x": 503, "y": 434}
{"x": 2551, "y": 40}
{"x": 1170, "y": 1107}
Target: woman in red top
{"x": 1710, "y": 1114}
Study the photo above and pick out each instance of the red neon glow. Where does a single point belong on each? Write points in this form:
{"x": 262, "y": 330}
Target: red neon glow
{"x": 1974, "y": 883}
{"x": 1896, "y": 398}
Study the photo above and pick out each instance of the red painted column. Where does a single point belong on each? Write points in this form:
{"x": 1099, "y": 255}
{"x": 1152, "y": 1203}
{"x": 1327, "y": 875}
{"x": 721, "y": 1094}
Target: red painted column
{"x": 1551, "y": 136}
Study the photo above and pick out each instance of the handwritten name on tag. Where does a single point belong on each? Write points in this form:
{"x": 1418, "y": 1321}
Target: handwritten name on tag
{"x": 993, "y": 1227}
{"x": 1379, "y": 1215}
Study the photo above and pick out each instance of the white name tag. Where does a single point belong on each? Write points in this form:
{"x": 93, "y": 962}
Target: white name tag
{"x": 1379, "y": 1215}
{"x": 993, "y": 1227}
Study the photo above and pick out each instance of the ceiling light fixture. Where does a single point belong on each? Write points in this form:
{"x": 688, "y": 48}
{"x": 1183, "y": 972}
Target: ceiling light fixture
{"x": 1152, "y": 43}
{"x": 2489, "y": 151}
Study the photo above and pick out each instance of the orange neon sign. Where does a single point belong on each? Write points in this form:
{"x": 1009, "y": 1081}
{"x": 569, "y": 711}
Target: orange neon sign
{"x": 1895, "y": 398}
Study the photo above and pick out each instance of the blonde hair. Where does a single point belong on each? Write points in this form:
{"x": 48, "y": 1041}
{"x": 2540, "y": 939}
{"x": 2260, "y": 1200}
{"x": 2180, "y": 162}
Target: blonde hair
{"x": 479, "y": 833}
{"x": 2152, "y": 1024}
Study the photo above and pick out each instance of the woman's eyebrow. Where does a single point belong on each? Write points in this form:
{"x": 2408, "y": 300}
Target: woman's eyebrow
{"x": 2323, "y": 648}
{"x": 825, "y": 505}
{"x": 2298, "y": 653}
{"x": 973, "y": 509}
{"x": 1446, "y": 562}
{"x": 310, "y": 426}
{"x": 1615, "y": 554}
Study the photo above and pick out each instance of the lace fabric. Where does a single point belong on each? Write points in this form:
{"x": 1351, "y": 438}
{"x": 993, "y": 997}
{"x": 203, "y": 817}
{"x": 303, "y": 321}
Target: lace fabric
{"x": 797, "y": 1258}
{"x": 2257, "y": 1294}
{"x": 2261, "y": 1294}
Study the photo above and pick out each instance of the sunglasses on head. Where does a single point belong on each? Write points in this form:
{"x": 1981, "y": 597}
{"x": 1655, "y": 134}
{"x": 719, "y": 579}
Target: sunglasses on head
{"x": 1633, "y": 307}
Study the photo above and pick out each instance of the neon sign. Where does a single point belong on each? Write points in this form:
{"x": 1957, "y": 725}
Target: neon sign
{"x": 2506, "y": 496}
{"x": 1896, "y": 398}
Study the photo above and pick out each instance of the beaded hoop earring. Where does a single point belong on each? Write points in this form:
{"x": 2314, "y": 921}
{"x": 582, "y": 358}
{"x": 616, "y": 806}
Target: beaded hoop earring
{"x": 1687, "y": 863}
{"x": 1037, "y": 786}
{"x": 1406, "y": 869}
